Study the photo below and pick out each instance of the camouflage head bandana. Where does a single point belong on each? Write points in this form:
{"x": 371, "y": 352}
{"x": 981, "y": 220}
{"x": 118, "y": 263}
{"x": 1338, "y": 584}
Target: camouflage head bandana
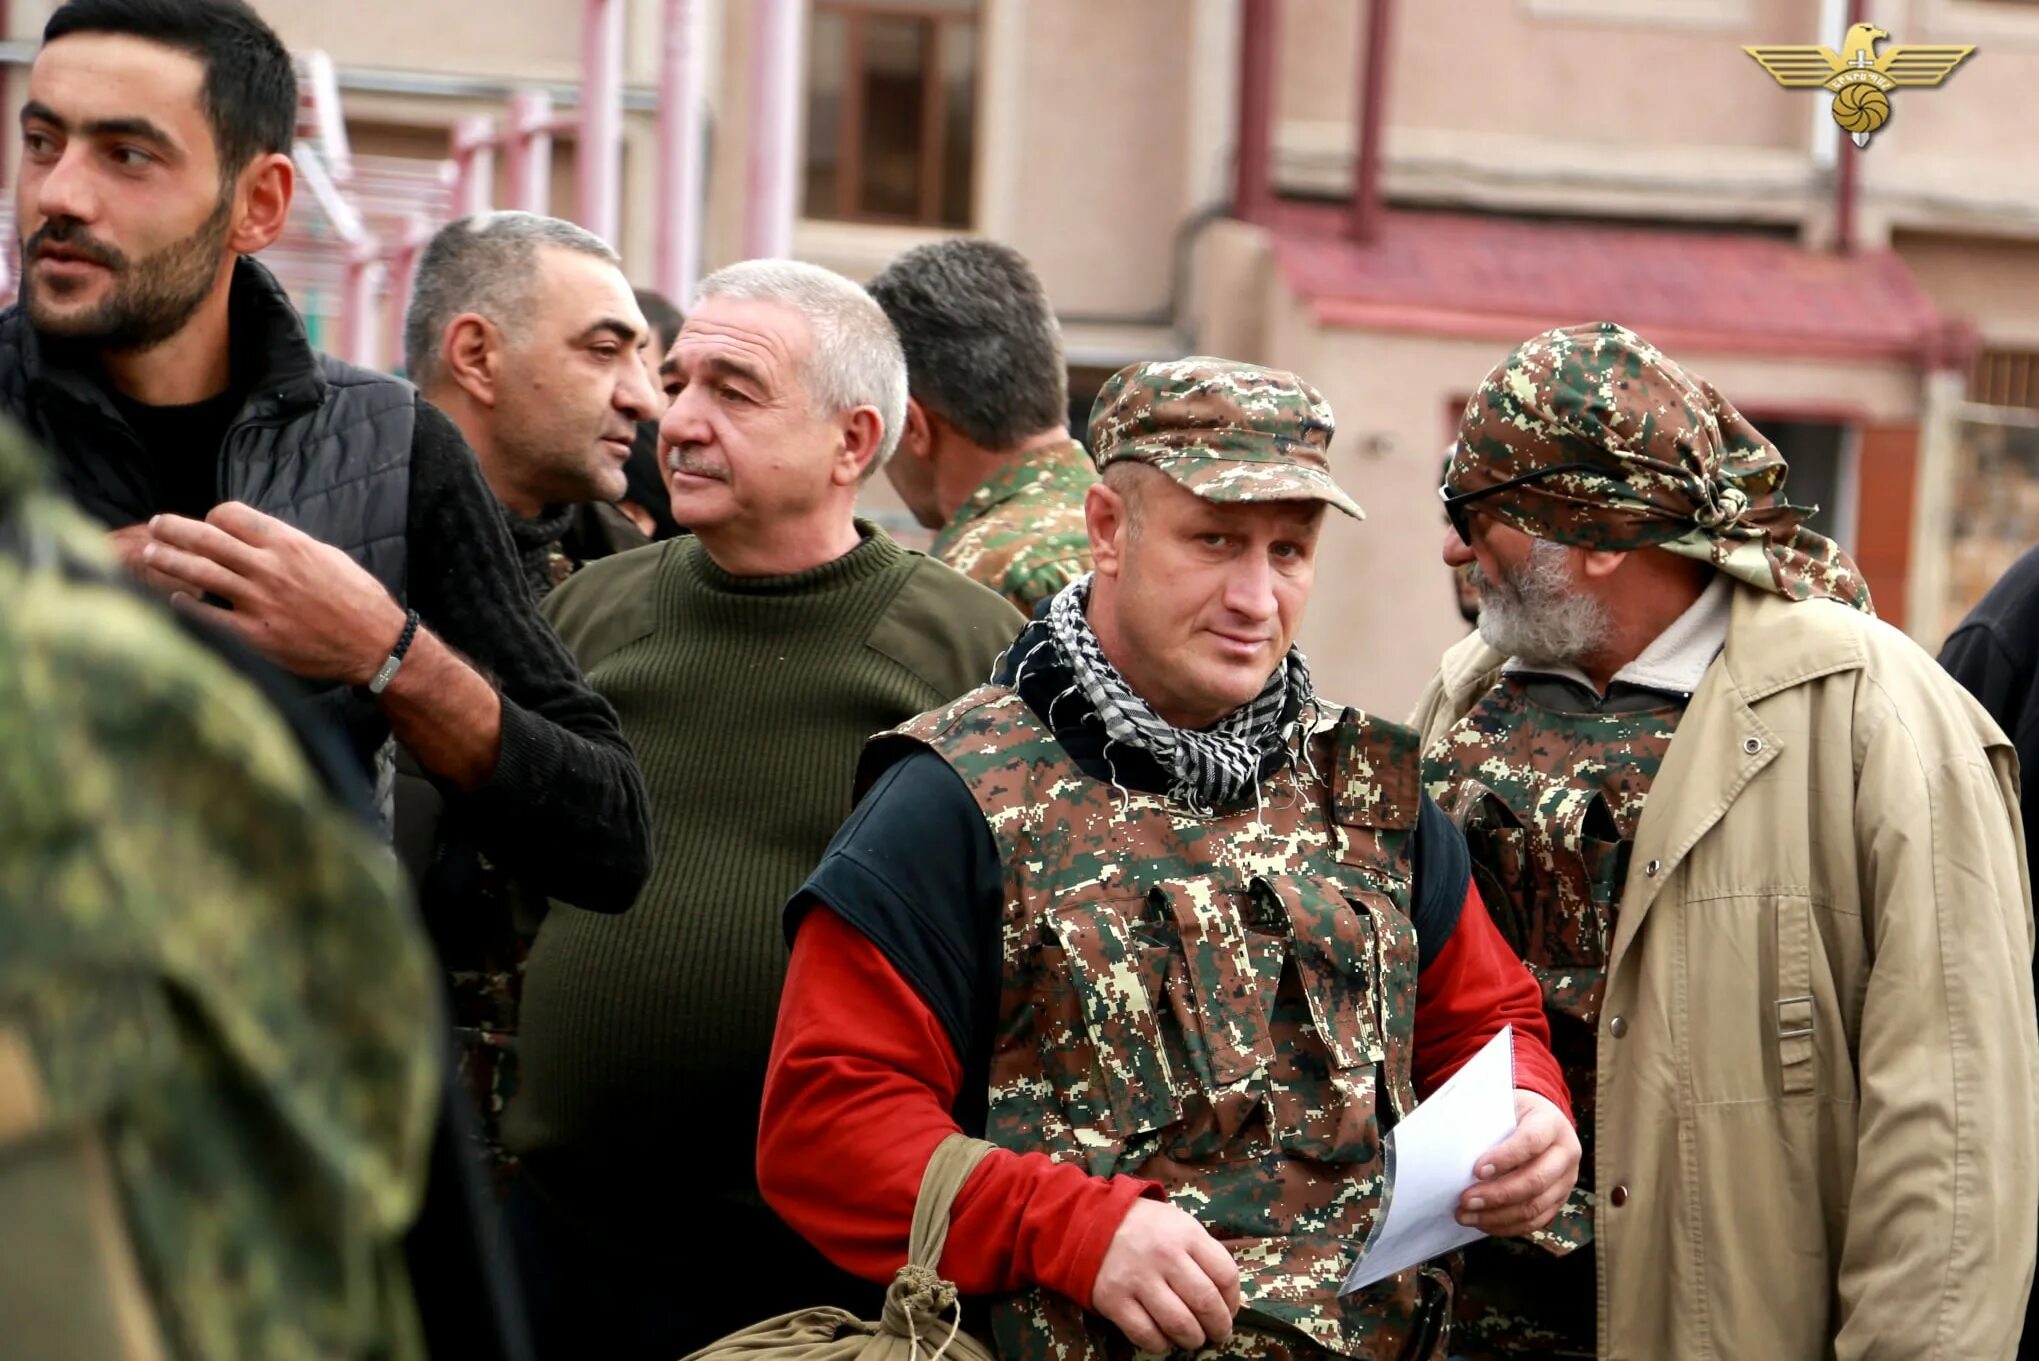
{"x": 1227, "y": 431}
{"x": 1670, "y": 464}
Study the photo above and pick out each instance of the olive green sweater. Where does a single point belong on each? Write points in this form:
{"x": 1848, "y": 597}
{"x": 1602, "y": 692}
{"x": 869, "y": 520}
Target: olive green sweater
{"x": 748, "y": 700}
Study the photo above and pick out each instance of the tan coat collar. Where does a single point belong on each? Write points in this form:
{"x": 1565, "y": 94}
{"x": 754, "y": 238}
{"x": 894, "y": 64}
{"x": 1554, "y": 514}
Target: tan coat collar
{"x": 1774, "y": 643}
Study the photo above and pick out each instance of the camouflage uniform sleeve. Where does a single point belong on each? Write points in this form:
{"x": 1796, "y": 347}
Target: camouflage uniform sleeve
{"x": 1039, "y": 573}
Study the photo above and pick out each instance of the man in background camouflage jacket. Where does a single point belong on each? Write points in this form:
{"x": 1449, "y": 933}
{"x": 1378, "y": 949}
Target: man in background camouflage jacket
{"x": 1179, "y": 944}
{"x": 1760, "y": 855}
{"x": 218, "y": 1028}
{"x": 986, "y": 457}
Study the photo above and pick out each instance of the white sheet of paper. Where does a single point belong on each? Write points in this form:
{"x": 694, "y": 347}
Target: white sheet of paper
{"x": 1430, "y": 1159}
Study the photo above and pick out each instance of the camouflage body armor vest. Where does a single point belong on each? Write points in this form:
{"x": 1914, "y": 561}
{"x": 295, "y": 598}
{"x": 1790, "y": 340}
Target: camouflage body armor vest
{"x": 1221, "y": 1004}
{"x": 1549, "y": 797}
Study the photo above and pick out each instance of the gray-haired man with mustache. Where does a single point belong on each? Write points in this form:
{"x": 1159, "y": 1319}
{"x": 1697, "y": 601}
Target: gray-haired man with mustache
{"x": 748, "y": 661}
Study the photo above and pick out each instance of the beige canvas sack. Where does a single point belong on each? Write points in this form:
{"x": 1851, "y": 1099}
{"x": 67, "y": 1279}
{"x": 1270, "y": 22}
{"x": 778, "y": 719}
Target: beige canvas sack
{"x": 922, "y": 1322}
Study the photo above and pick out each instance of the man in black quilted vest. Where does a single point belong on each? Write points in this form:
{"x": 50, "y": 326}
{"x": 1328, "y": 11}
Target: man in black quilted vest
{"x": 320, "y": 512}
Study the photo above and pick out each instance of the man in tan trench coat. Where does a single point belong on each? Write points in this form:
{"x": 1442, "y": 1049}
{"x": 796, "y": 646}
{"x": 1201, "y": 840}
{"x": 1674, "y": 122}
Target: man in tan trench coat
{"x": 1764, "y": 858}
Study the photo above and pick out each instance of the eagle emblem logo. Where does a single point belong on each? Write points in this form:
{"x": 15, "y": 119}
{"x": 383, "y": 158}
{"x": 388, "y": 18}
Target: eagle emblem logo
{"x": 1861, "y": 81}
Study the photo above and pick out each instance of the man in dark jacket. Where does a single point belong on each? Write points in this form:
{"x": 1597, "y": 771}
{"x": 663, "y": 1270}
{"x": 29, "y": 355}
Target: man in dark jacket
{"x": 1995, "y": 656}
{"x": 523, "y": 329}
{"x": 298, "y": 502}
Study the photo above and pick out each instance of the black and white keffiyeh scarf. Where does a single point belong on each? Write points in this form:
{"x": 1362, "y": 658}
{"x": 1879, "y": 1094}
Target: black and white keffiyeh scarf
{"x": 1211, "y": 766}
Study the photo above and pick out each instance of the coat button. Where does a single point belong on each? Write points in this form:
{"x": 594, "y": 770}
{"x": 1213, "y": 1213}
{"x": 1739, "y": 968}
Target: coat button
{"x": 1618, "y": 1026}
{"x": 1654, "y": 868}
{"x": 1752, "y": 745}
{"x": 1618, "y": 1196}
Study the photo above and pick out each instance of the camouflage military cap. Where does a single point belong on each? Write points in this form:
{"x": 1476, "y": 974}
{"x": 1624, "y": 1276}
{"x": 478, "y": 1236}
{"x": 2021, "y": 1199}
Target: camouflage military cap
{"x": 1227, "y": 431}
{"x": 1593, "y": 437}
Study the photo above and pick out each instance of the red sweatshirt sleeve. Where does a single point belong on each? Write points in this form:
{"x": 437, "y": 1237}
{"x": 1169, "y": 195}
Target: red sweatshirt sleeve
{"x": 1475, "y": 985}
{"x": 857, "y": 1096}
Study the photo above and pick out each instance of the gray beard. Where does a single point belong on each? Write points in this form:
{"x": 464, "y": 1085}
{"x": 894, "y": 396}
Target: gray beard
{"x": 1535, "y": 612}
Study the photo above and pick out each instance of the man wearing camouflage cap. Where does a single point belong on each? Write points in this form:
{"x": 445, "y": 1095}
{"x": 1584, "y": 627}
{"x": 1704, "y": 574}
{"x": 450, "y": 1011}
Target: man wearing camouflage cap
{"x": 1149, "y": 918}
{"x": 1762, "y": 857}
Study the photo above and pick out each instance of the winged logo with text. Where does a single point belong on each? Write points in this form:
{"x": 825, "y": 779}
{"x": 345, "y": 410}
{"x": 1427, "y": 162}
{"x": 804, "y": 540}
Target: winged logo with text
{"x": 1861, "y": 80}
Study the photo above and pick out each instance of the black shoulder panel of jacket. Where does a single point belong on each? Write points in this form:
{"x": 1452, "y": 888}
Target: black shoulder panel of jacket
{"x": 1444, "y": 872}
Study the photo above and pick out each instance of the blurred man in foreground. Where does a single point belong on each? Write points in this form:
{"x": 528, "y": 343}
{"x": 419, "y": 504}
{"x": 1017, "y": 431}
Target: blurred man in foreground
{"x": 218, "y": 1021}
{"x": 1762, "y": 857}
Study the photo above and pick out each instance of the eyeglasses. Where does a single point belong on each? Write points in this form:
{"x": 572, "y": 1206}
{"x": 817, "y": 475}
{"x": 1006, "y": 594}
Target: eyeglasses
{"x": 1455, "y": 507}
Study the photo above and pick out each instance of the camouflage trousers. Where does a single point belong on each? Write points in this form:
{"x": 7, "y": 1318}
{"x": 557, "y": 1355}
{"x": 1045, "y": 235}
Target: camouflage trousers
{"x": 1247, "y": 1343}
{"x": 1042, "y": 1326}
{"x": 485, "y": 1045}
{"x": 1519, "y": 1301}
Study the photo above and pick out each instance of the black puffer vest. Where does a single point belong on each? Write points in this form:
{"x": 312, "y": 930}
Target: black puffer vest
{"x": 319, "y": 444}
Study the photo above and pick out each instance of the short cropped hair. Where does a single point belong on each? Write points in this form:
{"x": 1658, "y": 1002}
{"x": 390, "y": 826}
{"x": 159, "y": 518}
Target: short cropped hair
{"x": 1130, "y": 479}
{"x": 250, "y": 89}
{"x": 983, "y": 349}
{"x": 662, "y": 316}
{"x": 856, "y": 360}
{"x": 485, "y": 264}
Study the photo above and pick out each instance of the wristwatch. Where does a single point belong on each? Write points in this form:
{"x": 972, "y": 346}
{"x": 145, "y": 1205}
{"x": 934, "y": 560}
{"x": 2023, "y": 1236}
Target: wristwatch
{"x": 396, "y": 655}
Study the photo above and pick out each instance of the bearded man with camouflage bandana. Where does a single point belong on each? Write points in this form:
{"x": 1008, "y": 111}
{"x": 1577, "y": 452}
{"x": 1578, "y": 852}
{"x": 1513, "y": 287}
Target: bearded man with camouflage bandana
{"x": 1761, "y": 856}
{"x": 1180, "y": 938}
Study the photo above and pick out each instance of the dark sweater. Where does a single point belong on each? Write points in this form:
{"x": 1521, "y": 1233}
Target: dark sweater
{"x": 564, "y": 812}
{"x": 538, "y": 547}
{"x": 748, "y": 701}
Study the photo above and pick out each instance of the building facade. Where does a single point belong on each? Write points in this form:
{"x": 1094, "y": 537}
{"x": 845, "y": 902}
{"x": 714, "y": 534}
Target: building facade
{"x": 1536, "y": 163}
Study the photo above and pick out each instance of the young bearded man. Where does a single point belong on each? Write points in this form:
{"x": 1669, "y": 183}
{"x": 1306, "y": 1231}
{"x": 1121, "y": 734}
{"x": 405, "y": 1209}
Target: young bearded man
{"x": 322, "y": 513}
{"x": 218, "y": 1014}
